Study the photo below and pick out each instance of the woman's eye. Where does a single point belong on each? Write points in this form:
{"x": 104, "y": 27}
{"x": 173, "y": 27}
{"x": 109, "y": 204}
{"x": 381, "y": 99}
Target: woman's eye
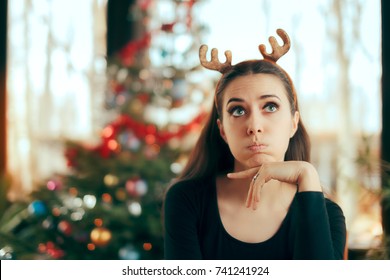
{"x": 271, "y": 107}
{"x": 237, "y": 111}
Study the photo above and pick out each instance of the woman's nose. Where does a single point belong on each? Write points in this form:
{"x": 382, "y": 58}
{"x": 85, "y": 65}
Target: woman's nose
{"x": 251, "y": 130}
{"x": 254, "y": 125}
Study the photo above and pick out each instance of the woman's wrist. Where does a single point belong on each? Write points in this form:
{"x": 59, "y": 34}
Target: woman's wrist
{"x": 308, "y": 179}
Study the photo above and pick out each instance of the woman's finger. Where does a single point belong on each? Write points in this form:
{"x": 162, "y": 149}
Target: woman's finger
{"x": 243, "y": 174}
{"x": 249, "y": 196}
{"x": 253, "y": 196}
{"x": 255, "y": 193}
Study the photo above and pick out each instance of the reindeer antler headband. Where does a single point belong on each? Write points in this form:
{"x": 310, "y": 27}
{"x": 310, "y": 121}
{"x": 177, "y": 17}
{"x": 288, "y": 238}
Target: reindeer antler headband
{"x": 277, "y": 52}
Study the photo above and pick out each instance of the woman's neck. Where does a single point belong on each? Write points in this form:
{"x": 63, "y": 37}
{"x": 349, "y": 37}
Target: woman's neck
{"x": 272, "y": 192}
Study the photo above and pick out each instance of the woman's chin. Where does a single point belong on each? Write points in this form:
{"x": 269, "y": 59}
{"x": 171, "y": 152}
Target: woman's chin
{"x": 256, "y": 161}
{"x": 259, "y": 159}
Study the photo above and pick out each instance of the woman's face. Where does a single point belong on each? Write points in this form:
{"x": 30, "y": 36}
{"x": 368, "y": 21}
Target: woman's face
{"x": 257, "y": 123}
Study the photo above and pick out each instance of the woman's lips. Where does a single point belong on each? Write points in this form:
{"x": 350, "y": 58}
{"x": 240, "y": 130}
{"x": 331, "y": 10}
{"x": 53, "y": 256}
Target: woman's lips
{"x": 257, "y": 147}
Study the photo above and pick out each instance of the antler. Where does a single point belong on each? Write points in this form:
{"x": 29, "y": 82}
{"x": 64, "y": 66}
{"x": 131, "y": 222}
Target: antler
{"x": 214, "y": 63}
{"x": 277, "y": 50}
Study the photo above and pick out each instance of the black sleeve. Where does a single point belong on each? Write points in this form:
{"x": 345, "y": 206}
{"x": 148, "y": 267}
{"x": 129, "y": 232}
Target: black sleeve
{"x": 180, "y": 220}
{"x": 321, "y": 230}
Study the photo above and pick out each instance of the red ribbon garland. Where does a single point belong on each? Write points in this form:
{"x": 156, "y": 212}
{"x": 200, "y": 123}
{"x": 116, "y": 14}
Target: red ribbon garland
{"x": 143, "y": 131}
{"x": 128, "y": 52}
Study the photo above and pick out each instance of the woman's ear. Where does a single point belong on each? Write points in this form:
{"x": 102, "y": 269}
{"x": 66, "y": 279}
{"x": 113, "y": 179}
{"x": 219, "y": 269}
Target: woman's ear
{"x": 221, "y": 130}
{"x": 294, "y": 124}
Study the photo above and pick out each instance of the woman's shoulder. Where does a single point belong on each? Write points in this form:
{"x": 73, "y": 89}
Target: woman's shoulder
{"x": 190, "y": 187}
{"x": 189, "y": 196}
{"x": 332, "y": 206}
{"x": 311, "y": 199}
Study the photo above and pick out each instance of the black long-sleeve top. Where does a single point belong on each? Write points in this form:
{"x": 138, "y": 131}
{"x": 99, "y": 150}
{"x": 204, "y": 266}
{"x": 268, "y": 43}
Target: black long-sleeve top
{"x": 314, "y": 228}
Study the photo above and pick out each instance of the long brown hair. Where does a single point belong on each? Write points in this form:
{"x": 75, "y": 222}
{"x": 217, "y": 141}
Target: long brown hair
{"x": 211, "y": 155}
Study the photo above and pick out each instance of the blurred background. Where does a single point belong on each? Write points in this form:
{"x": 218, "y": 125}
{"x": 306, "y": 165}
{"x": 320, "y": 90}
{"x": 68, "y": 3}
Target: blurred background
{"x": 102, "y": 101}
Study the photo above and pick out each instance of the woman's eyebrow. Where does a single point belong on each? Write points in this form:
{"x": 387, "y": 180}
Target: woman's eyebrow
{"x": 235, "y": 99}
{"x": 265, "y": 96}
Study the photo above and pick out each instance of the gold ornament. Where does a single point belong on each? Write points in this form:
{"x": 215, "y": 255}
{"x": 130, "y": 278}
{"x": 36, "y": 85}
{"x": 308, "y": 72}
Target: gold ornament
{"x": 101, "y": 236}
{"x": 110, "y": 180}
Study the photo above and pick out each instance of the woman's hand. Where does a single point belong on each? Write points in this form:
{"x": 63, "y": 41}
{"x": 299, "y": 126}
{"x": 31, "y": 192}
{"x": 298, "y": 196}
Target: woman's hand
{"x": 300, "y": 173}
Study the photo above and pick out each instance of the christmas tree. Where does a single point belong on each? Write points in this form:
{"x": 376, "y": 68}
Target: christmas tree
{"x": 109, "y": 204}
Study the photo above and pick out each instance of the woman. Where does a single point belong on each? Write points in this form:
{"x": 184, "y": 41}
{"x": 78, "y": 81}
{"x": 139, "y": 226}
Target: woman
{"x": 248, "y": 190}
